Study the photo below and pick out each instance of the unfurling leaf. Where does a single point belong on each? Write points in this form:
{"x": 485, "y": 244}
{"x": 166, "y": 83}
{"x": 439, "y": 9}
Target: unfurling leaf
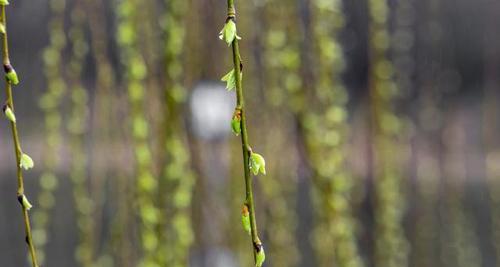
{"x": 26, "y": 204}
{"x": 245, "y": 219}
{"x": 230, "y": 80}
{"x": 260, "y": 257}
{"x": 257, "y": 164}
{"x": 228, "y": 33}
{"x": 236, "y": 122}
{"x": 26, "y": 162}
{"x": 9, "y": 113}
{"x": 11, "y": 76}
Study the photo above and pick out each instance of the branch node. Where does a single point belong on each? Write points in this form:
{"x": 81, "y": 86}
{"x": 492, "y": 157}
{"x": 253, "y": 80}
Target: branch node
{"x": 257, "y": 245}
{"x": 7, "y": 67}
{"x": 20, "y": 199}
{"x": 231, "y": 13}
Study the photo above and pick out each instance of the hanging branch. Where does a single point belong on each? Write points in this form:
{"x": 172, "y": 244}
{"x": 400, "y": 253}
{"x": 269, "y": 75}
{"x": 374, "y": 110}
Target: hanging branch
{"x": 78, "y": 127}
{"x": 102, "y": 122}
{"x": 426, "y": 147}
{"x": 391, "y": 246}
{"x": 50, "y": 103}
{"x": 252, "y": 162}
{"x": 147, "y": 184}
{"x": 458, "y": 237}
{"x": 326, "y": 132}
{"x": 280, "y": 45}
{"x": 107, "y": 109}
{"x": 176, "y": 185}
{"x": 491, "y": 127}
{"x": 23, "y": 161}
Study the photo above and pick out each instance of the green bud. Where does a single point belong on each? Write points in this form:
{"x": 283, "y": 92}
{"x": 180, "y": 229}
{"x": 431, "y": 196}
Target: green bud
{"x": 26, "y": 162}
{"x": 228, "y": 33}
{"x": 245, "y": 219}
{"x": 9, "y": 113}
{"x": 26, "y": 204}
{"x": 236, "y": 122}
{"x": 257, "y": 164}
{"x": 236, "y": 125}
{"x": 4, "y": 2}
{"x": 11, "y": 75}
{"x": 260, "y": 256}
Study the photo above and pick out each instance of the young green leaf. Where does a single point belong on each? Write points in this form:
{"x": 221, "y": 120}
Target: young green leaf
{"x": 9, "y": 113}
{"x": 228, "y": 33}
{"x": 26, "y": 162}
{"x": 26, "y": 204}
{"x": 11, "y": 76}
{"x": 260, "y": 257}
{"x": 236, "y": 122}
{"x": 257, "y": 164}
{"x": 230, "y": 80}
{"x": 4, "y": 2}
{"x": 245, "y": 219}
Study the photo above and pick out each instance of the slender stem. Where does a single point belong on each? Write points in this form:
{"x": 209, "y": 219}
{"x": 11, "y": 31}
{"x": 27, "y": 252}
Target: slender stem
{"x": 240, "y": 104}
{"x": 17, "y": 146}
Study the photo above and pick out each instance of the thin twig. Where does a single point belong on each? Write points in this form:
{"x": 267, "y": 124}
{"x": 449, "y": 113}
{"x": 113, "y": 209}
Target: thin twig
{"x": 17, "y": 144}
{"x": 240, "y": 105}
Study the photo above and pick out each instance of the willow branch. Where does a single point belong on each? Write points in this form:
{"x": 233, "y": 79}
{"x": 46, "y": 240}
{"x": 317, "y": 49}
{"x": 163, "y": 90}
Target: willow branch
{"x": 240, "y": 105}
{"x": 17, "y": 144}
{"x": 146, "y": 187}
{"x": 391, "y": 245}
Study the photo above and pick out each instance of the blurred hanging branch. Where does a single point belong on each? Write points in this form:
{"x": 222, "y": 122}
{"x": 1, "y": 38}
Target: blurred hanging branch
{"x": 491, "y": 127}
{"x": 278, "y": 40}
{"x": 252, "y": 162}
{"x": 108, "y": 110}
{"x": 391, "y": 247}
{"x": 103, "y": 124}
{"x": 175, "y": 187}
{"x": 50, "y": 103}
{"x": 459, "y": 245}
{"x": 23, "y": 161}
{"x": 146, "y": 183}
{"x": 427, "y": 144}
{"x": 77, "y": 126}
{"x": 326, "y": 133}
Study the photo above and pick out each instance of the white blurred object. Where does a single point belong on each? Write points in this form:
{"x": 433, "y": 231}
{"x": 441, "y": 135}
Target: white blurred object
{"x": 211, "y": 108}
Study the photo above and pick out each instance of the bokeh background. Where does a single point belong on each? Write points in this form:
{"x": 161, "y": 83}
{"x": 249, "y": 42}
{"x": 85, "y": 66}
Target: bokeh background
{"x": 377, "y": 119}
